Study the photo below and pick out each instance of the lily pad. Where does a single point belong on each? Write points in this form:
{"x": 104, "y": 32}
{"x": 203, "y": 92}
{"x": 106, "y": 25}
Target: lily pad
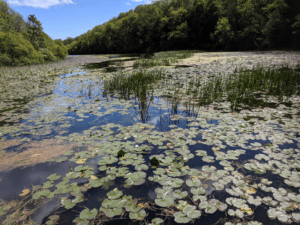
{"x": 86, "y": 214}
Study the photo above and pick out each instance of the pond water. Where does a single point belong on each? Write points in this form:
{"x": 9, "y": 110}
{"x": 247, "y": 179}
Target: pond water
{"x": 104, "y": 145}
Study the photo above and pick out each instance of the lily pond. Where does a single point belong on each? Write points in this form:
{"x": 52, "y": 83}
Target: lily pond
{"x": 178, "y": 137}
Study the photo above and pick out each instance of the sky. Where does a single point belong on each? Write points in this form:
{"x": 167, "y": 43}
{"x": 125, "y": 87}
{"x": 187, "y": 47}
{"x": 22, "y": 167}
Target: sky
{"x": 70, "y": 18}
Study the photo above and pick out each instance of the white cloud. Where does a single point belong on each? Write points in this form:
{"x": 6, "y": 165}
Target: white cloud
{"x": 128, "y": 3}
{"x": 137, "y": 0}
{"x": 39, "y": 3}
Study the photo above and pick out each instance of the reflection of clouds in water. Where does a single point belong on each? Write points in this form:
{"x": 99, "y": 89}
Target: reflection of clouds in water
{"x": 54, "y": 104}
{"x": 154, "y": 120}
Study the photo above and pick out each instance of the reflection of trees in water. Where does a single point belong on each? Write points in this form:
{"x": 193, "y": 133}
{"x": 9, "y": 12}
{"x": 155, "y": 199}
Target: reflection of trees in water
{"x": 143, "y": 100}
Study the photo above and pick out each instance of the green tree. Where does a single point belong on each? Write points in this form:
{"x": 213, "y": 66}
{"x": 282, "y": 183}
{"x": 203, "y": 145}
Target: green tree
{"x": 16, "y": 51}
{"x": 35, "y": 32}
{"x": 296, "y": 32}
{"x": 223, "y": 34}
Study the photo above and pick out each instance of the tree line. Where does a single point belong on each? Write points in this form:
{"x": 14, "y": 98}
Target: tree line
{"x": 25, "y": 43}
{"x": 233, "y": 25}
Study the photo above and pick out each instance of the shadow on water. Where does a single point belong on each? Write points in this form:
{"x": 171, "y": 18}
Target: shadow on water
{"x": 106, "y": 65}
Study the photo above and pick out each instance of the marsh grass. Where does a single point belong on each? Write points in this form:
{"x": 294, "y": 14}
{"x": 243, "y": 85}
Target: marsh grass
{"x": 136, "y": 83}
{"x": 163, "y": 58}
{"x": 248, "y": 86}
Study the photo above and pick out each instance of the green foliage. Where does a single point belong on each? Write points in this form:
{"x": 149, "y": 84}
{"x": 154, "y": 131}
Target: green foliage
{"x": 34, "y": 32}
{"x": 223, "y": 33}
{"x": 16, "y": 51}
{"x": 195, "y": 24}
{"x": 25, "y": 43}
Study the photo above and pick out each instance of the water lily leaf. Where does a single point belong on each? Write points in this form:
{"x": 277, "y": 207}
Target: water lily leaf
{"x": 103, "y": 168}
{"x": 159, "y": 171}
{"x": 199, "y": 197}
{"x": 177, "y": 183}
{"x": 193, "y": 182}
{"x": 269, "y": 201}
{"x": 262, "y": 157}
{"x": 296, "y": 217}
{"x": 235, "y": 191}
{"x": 237, "y": 202}
{"x": 68, "y": 153}
{"x": 254, "y": 223}
{"x": 111, "y": 212}
{"x": 179, "y": 194}
{"x": 209, "y": 159}
{"x": 237, "y": 213}
{"x": 53, "y": 177}
{"x": 114, "y": 194}
{"x": 181, "y": 205}
{"x": 191, "y": 212}
{"x": 137, "y": 215}
{"x": 255, "y": 201}
{"x": 201, "y": 153}
{"x": 62, "y": 159}
{"x": 193, "y": 172}
{"x": 45, "y": 192}
{"x": 80, "y": 161}
{"x": 93, "y": 177}
{"x": 203, "y": 205}
{"x": 210, "y": 209}
{"x": 294, "y": 197}
{"x": 198, "y": 191}
{"x": 132, "y": 206}
{"x": 181, "y": 217}
{"x": 166, "y": 201}
{"x": 141, "y": 167}
{"x": 208, "y": 169}
{"x": 157, "y": 221}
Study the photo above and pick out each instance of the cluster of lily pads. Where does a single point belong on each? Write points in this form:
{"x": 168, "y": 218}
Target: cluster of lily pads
{"x": 248, "y": 150}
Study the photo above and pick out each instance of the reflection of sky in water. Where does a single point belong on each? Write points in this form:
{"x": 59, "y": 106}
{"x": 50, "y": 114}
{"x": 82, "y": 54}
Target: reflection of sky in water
{"x": 65, "y": 96}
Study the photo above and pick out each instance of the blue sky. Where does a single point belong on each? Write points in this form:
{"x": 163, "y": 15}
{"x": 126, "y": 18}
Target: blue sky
{"x": 71, "y": 18}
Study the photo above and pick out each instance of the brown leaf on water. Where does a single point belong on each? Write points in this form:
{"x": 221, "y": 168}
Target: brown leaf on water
{"x": 24, "y": 192}
{"x": 250, "y": 191}
{"x": 294, "y": 206}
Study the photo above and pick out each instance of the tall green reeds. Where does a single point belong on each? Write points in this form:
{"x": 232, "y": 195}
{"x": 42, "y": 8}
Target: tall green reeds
{"x": 136, "y": 83}
{"x": 248, "y": 87}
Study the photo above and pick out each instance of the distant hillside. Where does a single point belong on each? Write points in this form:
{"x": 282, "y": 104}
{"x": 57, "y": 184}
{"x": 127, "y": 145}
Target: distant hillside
{"x": 25, "y": 43}
{"x": 196, "y": 24}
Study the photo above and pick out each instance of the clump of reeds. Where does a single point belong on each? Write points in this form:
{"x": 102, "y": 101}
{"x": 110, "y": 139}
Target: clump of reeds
{"x": 249, "y": 86}
{"x": 137, "y": 82}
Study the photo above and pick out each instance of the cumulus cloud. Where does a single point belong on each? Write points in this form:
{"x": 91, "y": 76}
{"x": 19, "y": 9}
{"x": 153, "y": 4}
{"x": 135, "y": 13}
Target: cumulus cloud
{"x": 39, "y": 3}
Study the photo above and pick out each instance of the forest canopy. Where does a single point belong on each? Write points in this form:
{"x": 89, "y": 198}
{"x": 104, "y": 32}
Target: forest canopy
{"x": 25, "y": 43}
{"x": 233, "y": 25}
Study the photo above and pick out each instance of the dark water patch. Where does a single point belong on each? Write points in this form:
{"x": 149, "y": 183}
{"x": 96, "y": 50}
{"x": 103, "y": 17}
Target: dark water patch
{"x": 182, "y": 66}
{"x": 106, "y": 64}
